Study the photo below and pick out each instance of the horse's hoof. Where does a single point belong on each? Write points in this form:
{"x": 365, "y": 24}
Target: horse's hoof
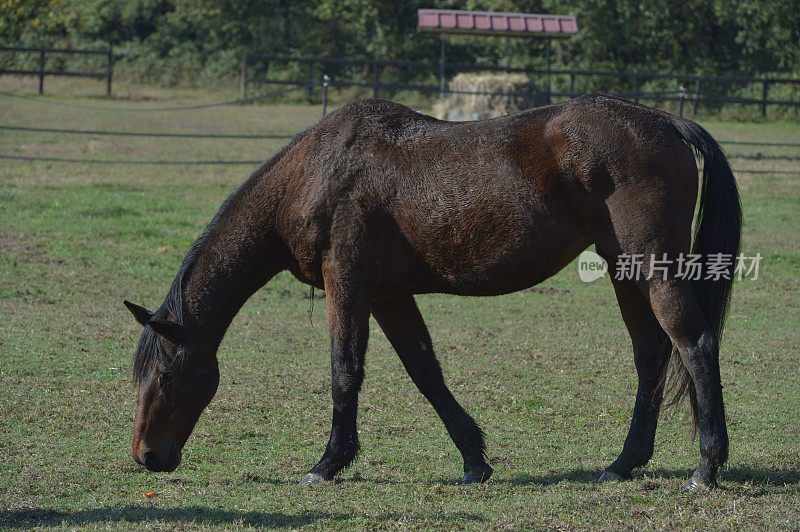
{"x": 311, "y": 478}
{"x": 473, "y": 477}
{"x": 610, "y": 476}
{"x": 695, "y": 485}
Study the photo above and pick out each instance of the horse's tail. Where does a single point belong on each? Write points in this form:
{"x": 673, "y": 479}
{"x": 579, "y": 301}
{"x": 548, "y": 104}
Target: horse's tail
{"x": 717, "y": 230}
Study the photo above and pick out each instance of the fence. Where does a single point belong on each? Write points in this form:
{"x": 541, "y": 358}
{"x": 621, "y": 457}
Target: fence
{"x": 371, "y": 74}
{"x": 788, "y": 148}
{"x": 42, "y": 71}
{"x": 696, "y": 89}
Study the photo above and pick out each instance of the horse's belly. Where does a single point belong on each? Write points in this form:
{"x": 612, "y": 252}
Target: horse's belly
{"x": 485, "y": 254}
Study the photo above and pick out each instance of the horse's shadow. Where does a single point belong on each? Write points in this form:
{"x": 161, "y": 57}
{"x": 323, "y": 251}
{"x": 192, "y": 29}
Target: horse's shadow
{"x": 738, "y": 475}
{"x": 132, "y": 513}
{"x": 767, "y": 477}
{"x": 732, "y": 478}
{"x": 189, "y": 515}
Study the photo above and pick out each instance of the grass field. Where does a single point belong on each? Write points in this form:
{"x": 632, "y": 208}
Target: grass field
{"x": 547, "y": 372}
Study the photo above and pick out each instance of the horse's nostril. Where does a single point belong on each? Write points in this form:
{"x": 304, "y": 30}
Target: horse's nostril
{"x": 172, "y": 460}
{"x": 150, "y": 461}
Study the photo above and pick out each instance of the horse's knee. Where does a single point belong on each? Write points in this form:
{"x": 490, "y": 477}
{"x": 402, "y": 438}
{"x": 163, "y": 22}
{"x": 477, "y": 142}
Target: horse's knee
{"x": 346, "y": 384}
{"x": 702, "y": 363}
{"x": 701, "y": 358}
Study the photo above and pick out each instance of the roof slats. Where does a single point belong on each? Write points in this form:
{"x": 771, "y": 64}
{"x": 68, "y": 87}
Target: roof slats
{"x": 488, "y": 22}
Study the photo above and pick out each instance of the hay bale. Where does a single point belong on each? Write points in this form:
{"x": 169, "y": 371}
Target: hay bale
{"x": 517, "y": 92}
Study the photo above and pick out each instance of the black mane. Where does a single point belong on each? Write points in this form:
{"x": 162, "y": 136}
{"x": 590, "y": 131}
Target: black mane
{"x": 149, "y": 348}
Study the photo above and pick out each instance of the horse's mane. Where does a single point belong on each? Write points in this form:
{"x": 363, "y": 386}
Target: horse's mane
{"x": 150, "y": 349}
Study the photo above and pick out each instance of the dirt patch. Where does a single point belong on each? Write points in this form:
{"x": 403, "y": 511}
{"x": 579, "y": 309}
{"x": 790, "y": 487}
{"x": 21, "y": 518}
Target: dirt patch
{"x": 23, "y": 247}
{"x": 18, "y": 244}
{"x": 110, "y": 212}
{"x": 285, "y": 293}
{"x": 548, "y": 290}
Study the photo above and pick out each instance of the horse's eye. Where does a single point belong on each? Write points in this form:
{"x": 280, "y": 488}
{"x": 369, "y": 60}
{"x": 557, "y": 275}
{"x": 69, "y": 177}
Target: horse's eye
{"x": 165, "y": 380}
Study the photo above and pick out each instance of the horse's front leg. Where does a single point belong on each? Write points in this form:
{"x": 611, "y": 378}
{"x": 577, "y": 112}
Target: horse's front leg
{"x": 348, "y": 319}
{"x": 402, "y": 322}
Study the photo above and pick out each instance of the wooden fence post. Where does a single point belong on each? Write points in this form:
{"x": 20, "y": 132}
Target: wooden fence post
{"x": 41, "y": 72}
{"x": 110, "y": 70}
{"x": 441, "y": 68}
{"x": 636, "y": 85}
{"x": 572, "y": 84}
{"x": 326, "y": 80}
{"x": 764, "y": 96}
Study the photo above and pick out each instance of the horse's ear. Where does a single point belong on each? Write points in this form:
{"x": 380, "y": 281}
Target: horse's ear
{"x": 168, "y": 329}
{"x": 142, "y": 315}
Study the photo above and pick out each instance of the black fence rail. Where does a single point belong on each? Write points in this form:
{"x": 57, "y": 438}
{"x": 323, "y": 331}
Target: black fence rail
{"x": 554, "y": 84}
{"x": 733, "y": 155}
{"x": 40, "y": 56}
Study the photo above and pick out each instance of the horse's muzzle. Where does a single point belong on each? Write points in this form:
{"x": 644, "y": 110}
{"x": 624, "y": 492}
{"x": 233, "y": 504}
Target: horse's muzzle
{"x": 155, "y": 461}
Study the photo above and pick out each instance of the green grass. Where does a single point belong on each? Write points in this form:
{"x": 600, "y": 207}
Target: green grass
{"x": 547, "y": 372}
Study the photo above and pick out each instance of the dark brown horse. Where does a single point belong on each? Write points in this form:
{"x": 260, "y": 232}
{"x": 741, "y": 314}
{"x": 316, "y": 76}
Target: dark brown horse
{"x": 377, "y": 203}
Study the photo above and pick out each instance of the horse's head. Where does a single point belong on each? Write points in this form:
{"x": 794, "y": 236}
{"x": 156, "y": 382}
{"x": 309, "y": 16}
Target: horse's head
{"x": 177, "y": 379}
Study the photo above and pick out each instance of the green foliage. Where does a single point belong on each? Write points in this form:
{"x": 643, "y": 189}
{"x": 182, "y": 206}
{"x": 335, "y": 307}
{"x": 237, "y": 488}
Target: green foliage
{"x": 746, "y": 36}
{"x": 118, "y": 22}
{"x": 36, "y": 22}
{"x": 187, "y": 36}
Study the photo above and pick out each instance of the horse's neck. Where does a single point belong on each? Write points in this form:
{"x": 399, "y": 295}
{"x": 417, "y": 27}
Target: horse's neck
{"x": 238, "y": 257}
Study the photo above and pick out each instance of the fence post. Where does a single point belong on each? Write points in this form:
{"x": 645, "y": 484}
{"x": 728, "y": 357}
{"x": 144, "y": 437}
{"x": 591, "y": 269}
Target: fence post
{"x": 441, "y": 69}
{"x": 375, "y": 78}
{"x": 764, "y": 97}
{"x": 696, "y": 93}
{"x": 243, "y": 83}
{"x": 110, "y": 71}
{"x": 572, "y": 84}
{"x": 325, "y": 81}
{"x": 682, "y": 91}
{"x": 41, "y": 72}
{"x": 636, "y": 86}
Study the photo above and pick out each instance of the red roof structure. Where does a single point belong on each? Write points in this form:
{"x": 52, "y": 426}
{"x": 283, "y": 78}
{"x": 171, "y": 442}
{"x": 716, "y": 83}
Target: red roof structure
{"x": 497, "y": 24}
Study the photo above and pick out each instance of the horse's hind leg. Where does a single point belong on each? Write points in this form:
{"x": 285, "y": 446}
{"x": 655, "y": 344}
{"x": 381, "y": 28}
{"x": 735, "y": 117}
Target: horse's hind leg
{"x": 678, "y": 312}
{"x": 403, "y": 325}
{"x": 675, "y": 306}
{"x": 348, "y": 319}
{"x": 651, "y": 350}
{"x": 650, "y": 217}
